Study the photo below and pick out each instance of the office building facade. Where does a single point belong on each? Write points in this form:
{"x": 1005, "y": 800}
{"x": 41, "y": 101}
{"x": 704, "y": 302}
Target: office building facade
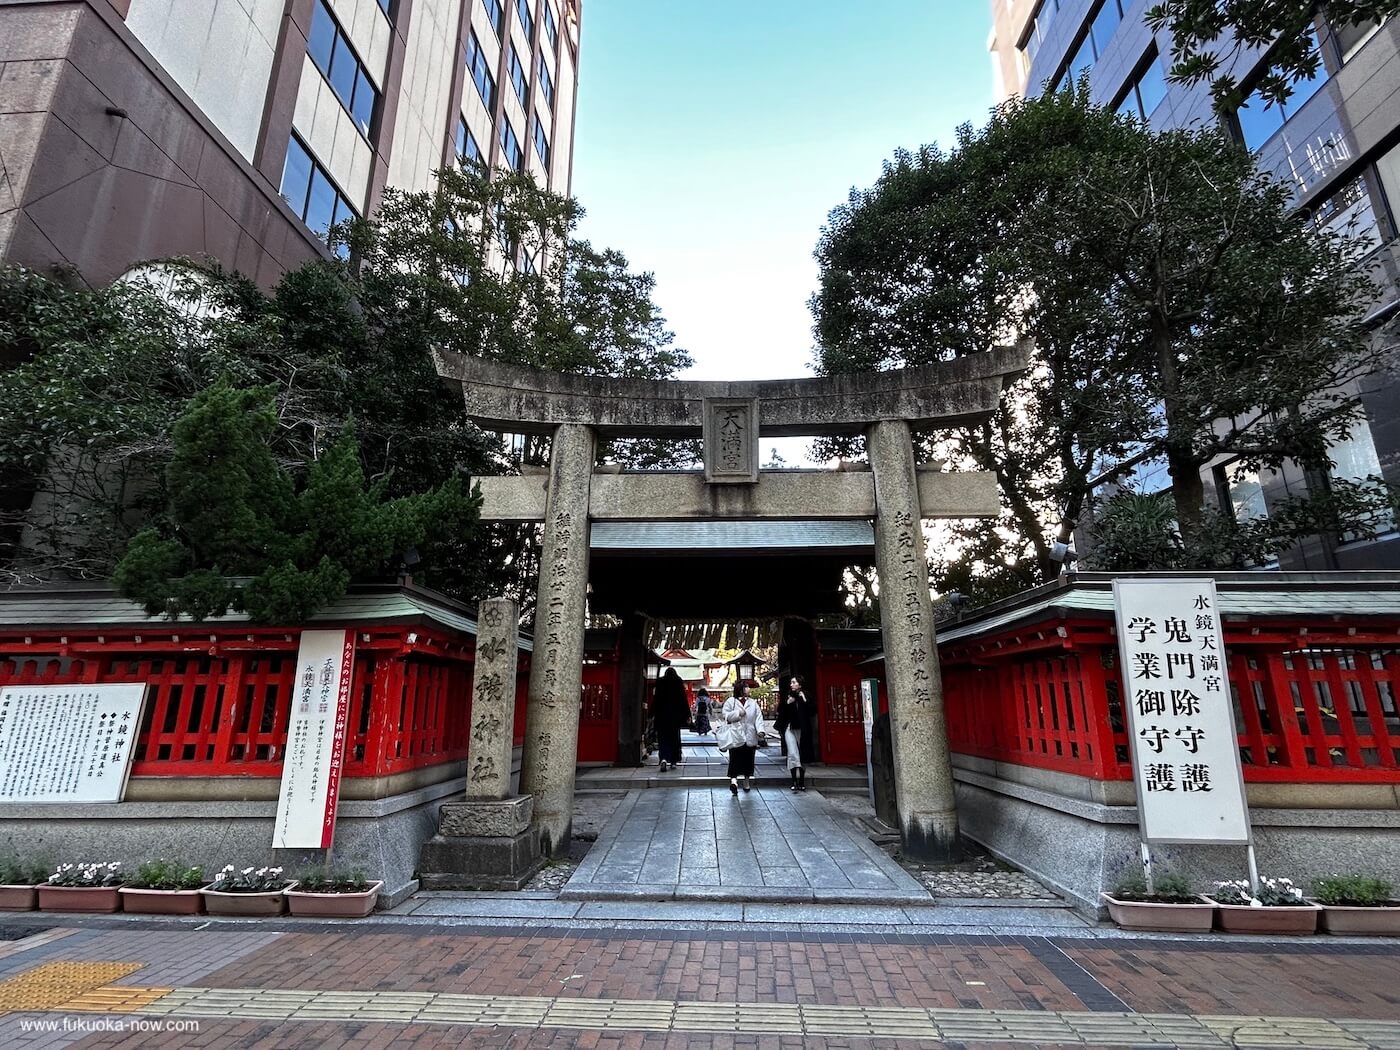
{"x": 239, "y": 130}
{"x": 1336, "y": 142}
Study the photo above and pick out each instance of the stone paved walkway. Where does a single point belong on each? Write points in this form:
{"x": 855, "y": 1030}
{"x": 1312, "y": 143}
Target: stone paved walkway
{"x": 152, "y": 986}
{"x": 706, "y": 844}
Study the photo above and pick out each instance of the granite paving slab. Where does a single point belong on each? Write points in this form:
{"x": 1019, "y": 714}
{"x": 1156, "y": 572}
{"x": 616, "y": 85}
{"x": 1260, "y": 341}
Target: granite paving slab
{"x": 688, "y": 842}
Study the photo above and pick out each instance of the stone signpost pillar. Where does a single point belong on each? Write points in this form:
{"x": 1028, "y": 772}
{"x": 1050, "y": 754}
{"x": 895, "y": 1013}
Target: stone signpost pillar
{"x": 487, "y": 841}
{"x": 556, "y": 666}
{"x": 923, "y": 771}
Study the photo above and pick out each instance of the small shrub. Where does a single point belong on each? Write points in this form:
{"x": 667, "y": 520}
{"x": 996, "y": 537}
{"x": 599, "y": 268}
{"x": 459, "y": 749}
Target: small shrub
{"x": 84, "y": 874}
{"x": 1273, "y": 893}
{"x": 323, "y": 881}
{"x": 167, "y": 875}
{"x": 16, "y": 871}
{"x": 249, "y": 880}
{"x": 1169, "y": 888}
{"x": 1353, "y": 891}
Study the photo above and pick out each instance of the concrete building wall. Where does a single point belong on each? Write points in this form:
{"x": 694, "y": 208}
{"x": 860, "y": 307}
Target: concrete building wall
{"x": 240, "y": 70}
{"x": 220, "y": 51}
{"x": 107, "y": 162}
{"x": 430, "y": 62}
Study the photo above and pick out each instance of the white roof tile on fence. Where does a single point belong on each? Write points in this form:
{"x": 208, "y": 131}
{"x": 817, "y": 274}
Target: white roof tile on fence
{"x": 96, "y": 608}
{"x": 1250, "y": 602}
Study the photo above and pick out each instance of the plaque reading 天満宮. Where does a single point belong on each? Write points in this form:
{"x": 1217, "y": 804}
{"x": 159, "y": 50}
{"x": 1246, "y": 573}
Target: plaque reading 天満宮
{"x": 731, "y": 440}
{"x": 67, "y": 743}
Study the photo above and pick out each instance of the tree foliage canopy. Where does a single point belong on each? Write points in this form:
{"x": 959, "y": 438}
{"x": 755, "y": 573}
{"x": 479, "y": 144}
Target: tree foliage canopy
{"x": 1178, "y": 307}
{"x": 485, "y": 265}
{"x": 1208, "y": 36}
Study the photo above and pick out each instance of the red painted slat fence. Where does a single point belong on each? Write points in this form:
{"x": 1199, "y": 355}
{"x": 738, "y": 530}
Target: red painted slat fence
{"x": 1311, "y": 707}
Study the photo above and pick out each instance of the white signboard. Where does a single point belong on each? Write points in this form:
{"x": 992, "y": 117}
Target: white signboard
{"x": 1181, "y": 722}
{"x": 67, "y": 743}
{"x": 315, "y": 741}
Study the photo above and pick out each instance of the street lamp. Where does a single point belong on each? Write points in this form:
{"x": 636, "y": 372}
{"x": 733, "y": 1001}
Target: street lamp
{"x": 745, "y": 667}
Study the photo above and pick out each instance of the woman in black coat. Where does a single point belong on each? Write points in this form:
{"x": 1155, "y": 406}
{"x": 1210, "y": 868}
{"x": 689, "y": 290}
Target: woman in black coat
{"x": 670, "y": 710}
{"x": 793, "y": 712}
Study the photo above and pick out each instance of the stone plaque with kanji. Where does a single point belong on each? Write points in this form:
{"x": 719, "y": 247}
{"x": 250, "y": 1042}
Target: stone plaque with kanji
{"x": 731, "y": 440}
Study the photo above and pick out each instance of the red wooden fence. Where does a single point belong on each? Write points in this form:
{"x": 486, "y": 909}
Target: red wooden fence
{"x": 1310, "y": 706}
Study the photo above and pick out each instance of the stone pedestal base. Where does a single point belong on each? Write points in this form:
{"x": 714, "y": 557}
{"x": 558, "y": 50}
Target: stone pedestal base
{"x": 482, "y": 845}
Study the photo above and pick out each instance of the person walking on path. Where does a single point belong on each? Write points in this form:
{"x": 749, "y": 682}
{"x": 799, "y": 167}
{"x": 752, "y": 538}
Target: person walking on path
{"x": 670, "y": 710}
{"x": 702, "y": 711}
{"x": 741, "y": 711}
{"x": 791, "y": 723}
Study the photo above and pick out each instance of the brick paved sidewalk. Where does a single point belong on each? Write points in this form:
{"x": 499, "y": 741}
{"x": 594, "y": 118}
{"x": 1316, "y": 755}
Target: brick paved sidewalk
{"x": 372, "y": 987}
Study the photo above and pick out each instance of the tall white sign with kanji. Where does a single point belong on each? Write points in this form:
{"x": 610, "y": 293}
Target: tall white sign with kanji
{"x": 315, "y": 741}
{"x": 1181, "y": 721}
{"x": 68, "y": 743}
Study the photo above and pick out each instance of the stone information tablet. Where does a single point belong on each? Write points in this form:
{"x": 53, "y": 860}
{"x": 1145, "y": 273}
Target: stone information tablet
{"x": 315, "y": 748}
{"x": 68, "y": 743}
{"x": 1181, "y": 720}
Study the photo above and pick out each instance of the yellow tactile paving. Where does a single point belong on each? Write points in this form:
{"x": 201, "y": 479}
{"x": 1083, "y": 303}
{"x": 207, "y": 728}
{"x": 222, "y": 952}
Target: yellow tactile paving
{"x": 54, "y": 984}
{"x": 88, "y": 987}
{"x": 116, "y": 999}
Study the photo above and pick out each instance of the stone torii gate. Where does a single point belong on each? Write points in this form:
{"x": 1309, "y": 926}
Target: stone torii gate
{"x": 886, "y": 407}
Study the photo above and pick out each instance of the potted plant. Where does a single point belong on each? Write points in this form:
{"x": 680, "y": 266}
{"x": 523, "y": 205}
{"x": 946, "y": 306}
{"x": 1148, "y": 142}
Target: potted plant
{"x": 1172, "y": 907}
{"x": 1279, "y": 907}
{"x": 162, "y": 887}
{"x": 247, "y": 892}
{"x": 1358, "y": 904}
{"x": 339, "y": 895}
{"x": 19, "y": 884}
{"x": 82, "y": 887}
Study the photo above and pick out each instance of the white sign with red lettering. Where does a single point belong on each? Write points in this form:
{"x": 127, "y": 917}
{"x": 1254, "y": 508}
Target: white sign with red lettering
{"x": 1181, "y": 719}
{"x": 315, "y": 748}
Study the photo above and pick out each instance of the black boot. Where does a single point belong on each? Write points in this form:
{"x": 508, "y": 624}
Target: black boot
{"x": 802, "y": 779}
{"x": 794, "y": 780}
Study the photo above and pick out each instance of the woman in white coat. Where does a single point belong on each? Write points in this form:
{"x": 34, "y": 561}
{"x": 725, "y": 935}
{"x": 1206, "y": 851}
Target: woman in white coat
{"x": 741, "y": 711}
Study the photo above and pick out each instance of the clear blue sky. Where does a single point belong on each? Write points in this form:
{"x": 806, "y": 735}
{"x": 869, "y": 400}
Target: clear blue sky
{"x": 714, "y": 138}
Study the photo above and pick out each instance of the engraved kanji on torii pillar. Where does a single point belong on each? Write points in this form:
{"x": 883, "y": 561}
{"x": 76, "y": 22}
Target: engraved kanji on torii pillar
{"x": 884, "y": 406}
{"x": 556, "y": 667}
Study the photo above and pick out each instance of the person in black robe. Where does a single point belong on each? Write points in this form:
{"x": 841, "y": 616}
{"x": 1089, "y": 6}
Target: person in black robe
{"x": 670, "y": 710}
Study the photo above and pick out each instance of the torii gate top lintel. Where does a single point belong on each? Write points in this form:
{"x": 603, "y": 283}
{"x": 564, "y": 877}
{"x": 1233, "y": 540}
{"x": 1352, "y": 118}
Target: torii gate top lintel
{"x": 521, "y": 399}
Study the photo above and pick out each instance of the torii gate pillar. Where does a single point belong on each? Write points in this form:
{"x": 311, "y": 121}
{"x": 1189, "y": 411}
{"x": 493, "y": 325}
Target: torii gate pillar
{"x": 556, "y": 667}
{"x": 923, "y": 770}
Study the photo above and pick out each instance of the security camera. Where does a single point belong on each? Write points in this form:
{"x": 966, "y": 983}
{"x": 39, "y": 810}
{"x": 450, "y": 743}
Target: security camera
{"x": 1063, "y": 552}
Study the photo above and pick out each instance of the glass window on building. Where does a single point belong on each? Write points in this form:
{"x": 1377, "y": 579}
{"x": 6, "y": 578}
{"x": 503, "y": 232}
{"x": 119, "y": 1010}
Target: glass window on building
{"x": 546, "y": 85}
{"x": 331, "y": 51}
{"x": 510, "y": 146}
{"x": 1349, "y": 211}
{"x": 1082, "y": 62}
{"x": 480, "y": 73}
{"x": 308, "y": 188}
{"x": 496, "y": 15}
{"x": 1259, "y": 122}
{"x": 541, "y": 142}
{"x": 516, "y": 69}
{"x": 467, "y": 149}
{"x": 1388, "y": 172}
{"x": 1146, "y": 89}
{"x": 384, "y": 6}
{"x": 1244, "y": 492}
{"x": 1105, "y": 22}
{"x": 527, "y": 18}
{"x": 1354, "y": 459}
{"x": 1348, "y": 39}
{"x": 551, "y": 26}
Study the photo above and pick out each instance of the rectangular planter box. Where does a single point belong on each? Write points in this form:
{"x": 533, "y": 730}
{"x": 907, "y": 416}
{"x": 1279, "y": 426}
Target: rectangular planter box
{"x": 91, "y": 899}
{"x": 335, "y": 905}
{"x": 1163, "y": 918}
{"x": 273, "y": 902}
{"x": 161, "y": 902}
{"x": 19, "y": 898}
{"x": 1241, "y": 918}
{"x": 1362, "y": 922}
